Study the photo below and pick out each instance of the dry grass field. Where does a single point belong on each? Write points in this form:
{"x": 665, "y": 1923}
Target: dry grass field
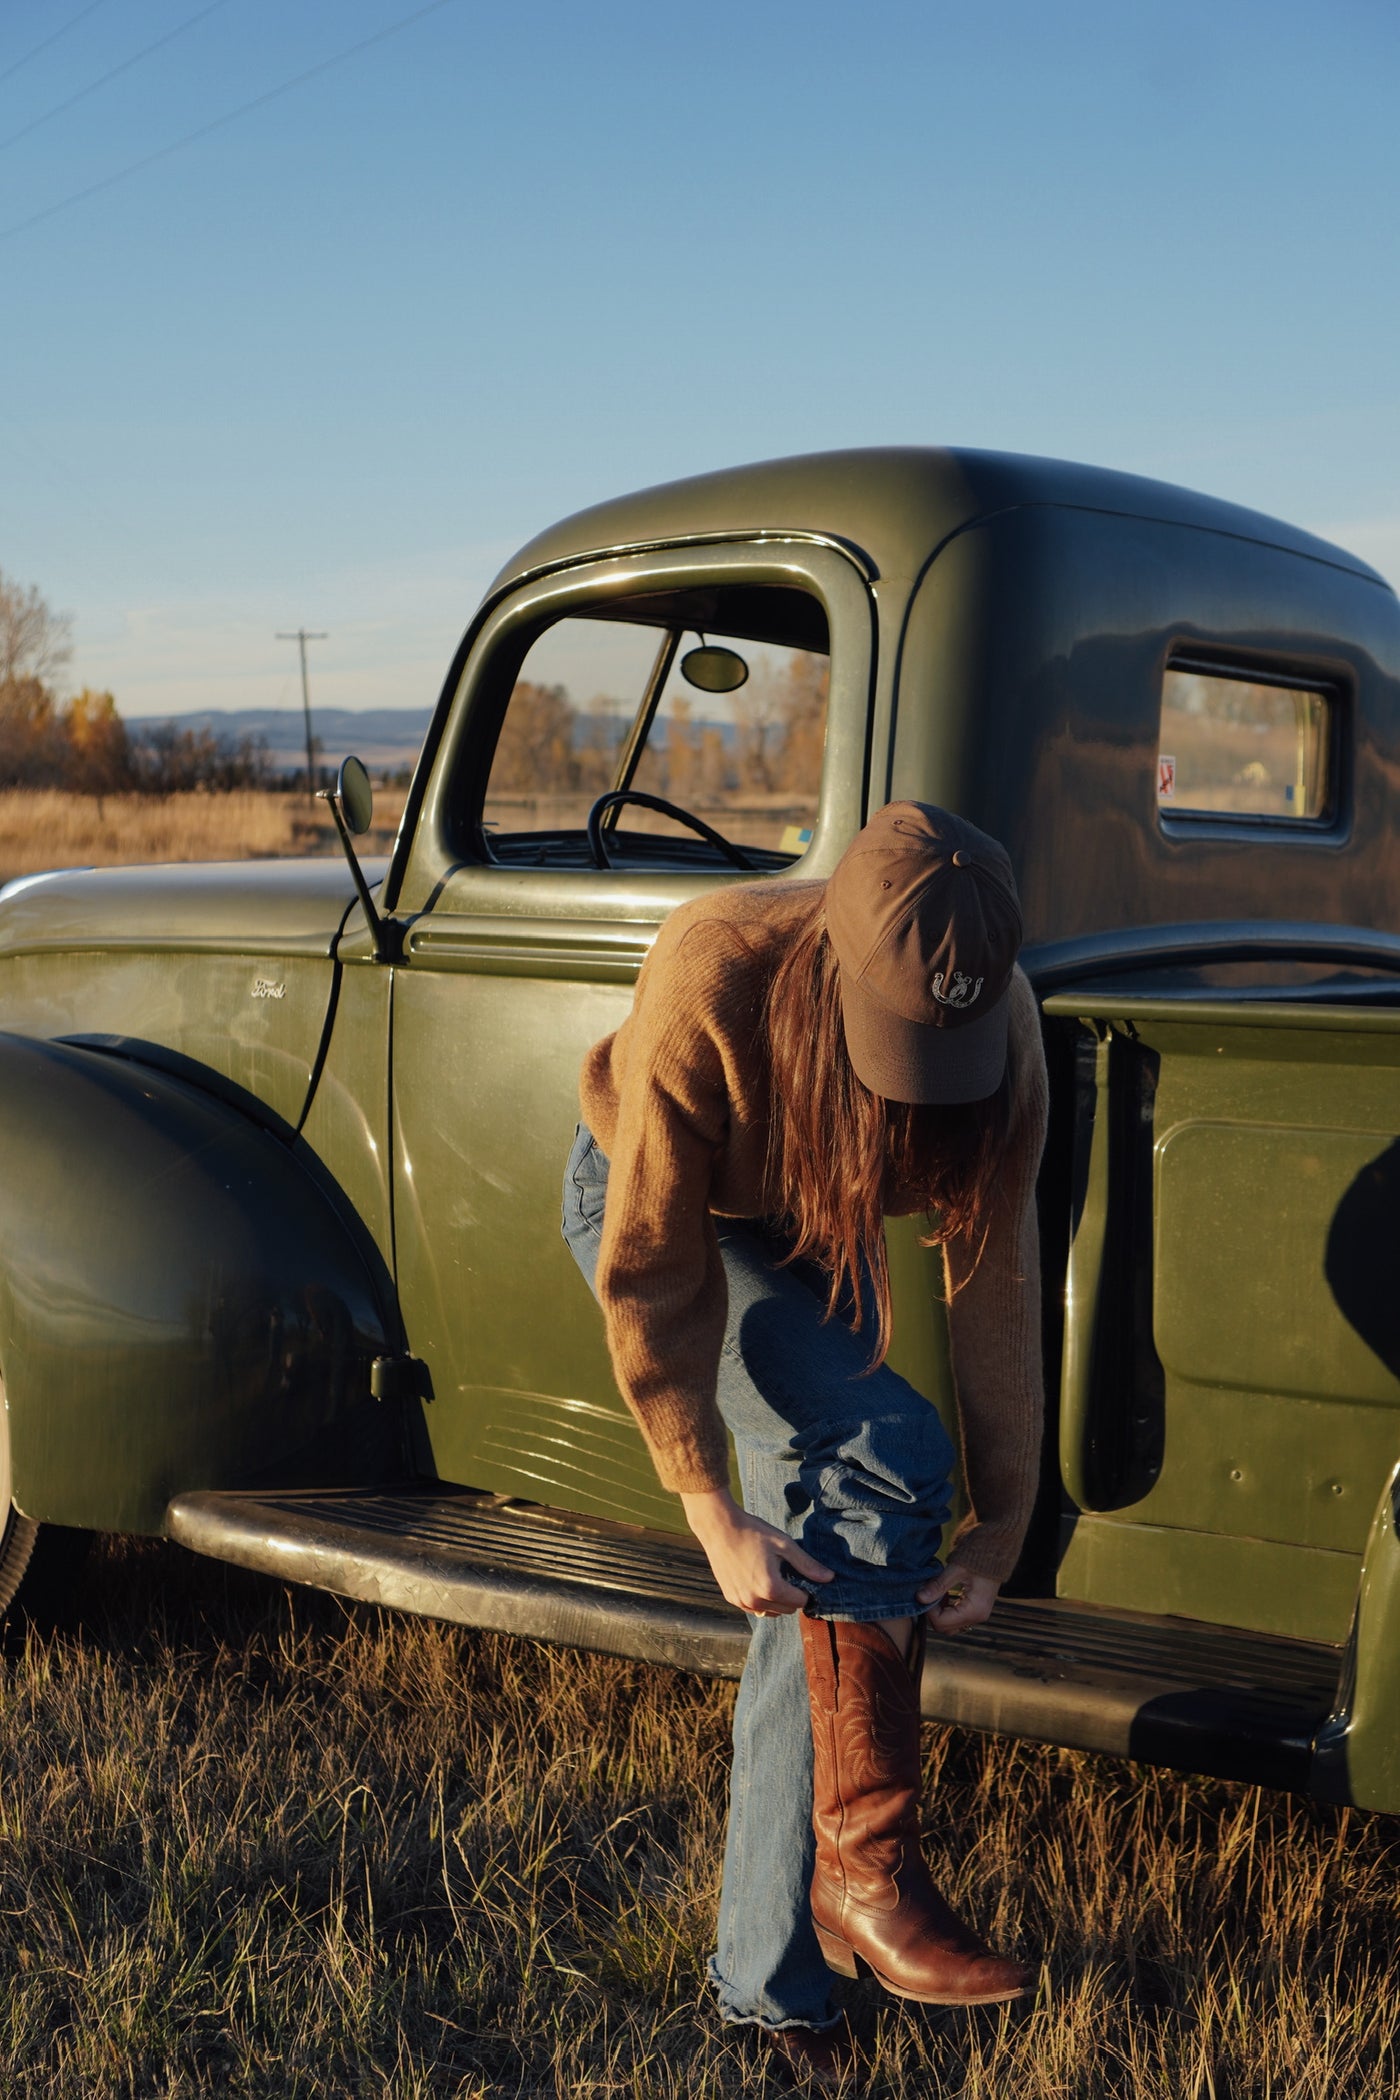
{"x": 259, "y": 1843}
{"x": 47, "y": 828}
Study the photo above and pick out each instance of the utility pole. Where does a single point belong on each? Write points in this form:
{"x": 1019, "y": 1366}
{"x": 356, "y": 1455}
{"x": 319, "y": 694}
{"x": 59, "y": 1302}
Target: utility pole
{"x": 301, "y": 638}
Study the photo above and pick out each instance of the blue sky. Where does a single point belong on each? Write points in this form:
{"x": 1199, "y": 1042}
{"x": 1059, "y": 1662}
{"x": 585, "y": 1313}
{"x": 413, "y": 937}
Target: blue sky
{"x": 332, "y": 361}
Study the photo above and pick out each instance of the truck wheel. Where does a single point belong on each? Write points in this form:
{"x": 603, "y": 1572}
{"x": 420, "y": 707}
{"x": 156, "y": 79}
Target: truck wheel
{"x": 19, "y": 1535}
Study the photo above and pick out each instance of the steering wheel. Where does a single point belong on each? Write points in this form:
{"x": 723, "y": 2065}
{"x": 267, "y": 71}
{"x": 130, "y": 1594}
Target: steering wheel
{"x": 597, "y": 844}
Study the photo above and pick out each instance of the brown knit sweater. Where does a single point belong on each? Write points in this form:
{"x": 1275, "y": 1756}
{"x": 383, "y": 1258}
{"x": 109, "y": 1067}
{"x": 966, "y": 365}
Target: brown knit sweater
{"x": 678, "y": 1100}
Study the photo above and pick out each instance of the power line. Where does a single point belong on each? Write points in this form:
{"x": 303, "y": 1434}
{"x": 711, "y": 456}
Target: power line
{"x": 217, "y": 123}
{"x": 71, "y": 23}
{"x": 125, "y": 67}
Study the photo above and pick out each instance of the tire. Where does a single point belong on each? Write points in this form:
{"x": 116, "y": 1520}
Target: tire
{"x": 20, "y": 1535}
{"x": 38, "y": 1562}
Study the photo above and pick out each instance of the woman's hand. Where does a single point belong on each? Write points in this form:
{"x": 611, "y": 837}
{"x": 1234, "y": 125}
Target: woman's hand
{"x": 745, "y": 1555}
{"x": 958, "y": 1599}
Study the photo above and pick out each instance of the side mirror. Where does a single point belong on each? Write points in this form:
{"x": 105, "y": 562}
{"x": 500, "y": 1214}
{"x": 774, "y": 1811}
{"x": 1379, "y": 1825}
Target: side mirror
{"x": 356, "y": 796}
{"x": 351, "y": 803}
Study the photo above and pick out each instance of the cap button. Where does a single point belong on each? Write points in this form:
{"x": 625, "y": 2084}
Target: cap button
{"x": 961, "y": 859}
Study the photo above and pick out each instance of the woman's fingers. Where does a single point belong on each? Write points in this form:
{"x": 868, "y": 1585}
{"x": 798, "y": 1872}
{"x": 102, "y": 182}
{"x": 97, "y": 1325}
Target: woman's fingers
{"x": 958, "y": 1599}
{"x": 956, "y": 1615}
{"x": 953, "y": 1577}
{"x": 748, "y": 1556}
{"x": 780, "y": 1558}
{"x": 768, "y": 1600}
{"x": 751, "y": 1572}
{"x": 778, "y": 1602}
{"x": 770, "y": 1590}
{"x": 803, "y": 1564}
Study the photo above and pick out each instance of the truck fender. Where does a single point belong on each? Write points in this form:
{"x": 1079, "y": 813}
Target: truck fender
{"x": 183, "y": 1303}
{"x": 1356, "y": 1756}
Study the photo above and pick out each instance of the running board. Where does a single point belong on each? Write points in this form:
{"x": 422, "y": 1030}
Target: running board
{"x": 483, "y": 1560}
{"x": 1170, "y": 1691}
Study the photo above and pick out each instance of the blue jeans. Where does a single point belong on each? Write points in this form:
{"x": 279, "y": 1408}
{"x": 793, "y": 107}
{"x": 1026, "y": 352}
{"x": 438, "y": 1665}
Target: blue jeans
{"x": 854, "y": 1466}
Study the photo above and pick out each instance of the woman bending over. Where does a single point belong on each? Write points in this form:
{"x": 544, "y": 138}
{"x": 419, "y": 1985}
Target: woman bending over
{"x": 801, "y": 1061}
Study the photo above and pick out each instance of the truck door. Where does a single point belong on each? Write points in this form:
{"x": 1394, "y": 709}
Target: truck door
{"x": 1230, "y": 1402}
{"x": 521, "y": 951}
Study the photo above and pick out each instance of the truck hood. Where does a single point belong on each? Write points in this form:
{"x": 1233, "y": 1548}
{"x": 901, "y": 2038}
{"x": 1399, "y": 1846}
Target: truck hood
{"x": 280, "y": 907}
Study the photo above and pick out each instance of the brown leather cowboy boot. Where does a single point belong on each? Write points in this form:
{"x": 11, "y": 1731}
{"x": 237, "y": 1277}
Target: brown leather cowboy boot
{"x": 874, "y": 1905}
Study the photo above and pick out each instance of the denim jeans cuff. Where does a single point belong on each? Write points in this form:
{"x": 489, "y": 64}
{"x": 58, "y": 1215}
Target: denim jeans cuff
{"x": 828, "y": 1607}
{"x": 770, "y": 2021}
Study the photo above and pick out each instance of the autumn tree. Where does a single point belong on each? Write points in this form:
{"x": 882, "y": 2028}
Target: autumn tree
{"x": 801, "y": 707}
{"x": 33, "y": 646}
{"x": 33, "y": 750}
{"x": 682, "y": 771}
{"x": 780, "y": 725}
{"x": 99, "y": 753}
{"x": 536, "y": 748}
{"x": 82, "y": 743}
{"x": 598, "y": 734}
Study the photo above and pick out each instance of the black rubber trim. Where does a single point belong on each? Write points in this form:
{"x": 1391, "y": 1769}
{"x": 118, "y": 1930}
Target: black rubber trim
{"x": 1053, "y": 964}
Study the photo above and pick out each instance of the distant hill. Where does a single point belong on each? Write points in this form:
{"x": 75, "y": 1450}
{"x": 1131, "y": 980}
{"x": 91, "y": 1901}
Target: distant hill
{"x": 384, "y": 737}
{"x": 381, "y": 736}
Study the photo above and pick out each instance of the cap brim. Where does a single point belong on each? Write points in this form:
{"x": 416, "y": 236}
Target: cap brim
{"x": 917, "y": 1062}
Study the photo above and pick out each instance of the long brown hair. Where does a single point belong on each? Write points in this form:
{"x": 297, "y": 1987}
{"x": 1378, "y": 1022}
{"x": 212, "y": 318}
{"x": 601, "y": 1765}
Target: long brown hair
{"x": 836, "y": 1152}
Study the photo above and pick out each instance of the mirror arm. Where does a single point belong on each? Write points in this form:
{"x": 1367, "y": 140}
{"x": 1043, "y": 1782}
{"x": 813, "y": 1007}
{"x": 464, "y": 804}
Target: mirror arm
{"x": 378, "y": 926}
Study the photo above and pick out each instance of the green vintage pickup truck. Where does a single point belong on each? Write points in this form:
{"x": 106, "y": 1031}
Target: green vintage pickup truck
{"x": 281, "y": 1273}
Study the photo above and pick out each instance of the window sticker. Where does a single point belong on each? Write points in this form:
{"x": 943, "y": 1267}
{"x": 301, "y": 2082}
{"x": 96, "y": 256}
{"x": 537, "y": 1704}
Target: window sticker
{"x": 1166, "y": 777}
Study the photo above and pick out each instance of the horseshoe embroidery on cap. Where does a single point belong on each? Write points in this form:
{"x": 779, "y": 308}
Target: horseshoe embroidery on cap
{"x": 961, "y": 992}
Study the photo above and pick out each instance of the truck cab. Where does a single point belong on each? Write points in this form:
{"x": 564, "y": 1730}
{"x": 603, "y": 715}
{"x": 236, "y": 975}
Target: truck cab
{"x": 1182, "y": 719}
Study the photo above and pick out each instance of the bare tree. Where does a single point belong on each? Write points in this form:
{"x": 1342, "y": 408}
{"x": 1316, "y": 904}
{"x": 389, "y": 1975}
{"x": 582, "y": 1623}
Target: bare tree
{"x": 167, "y": 760}
{"x": 34, "y": 640}
{"x": 757, "y": 727}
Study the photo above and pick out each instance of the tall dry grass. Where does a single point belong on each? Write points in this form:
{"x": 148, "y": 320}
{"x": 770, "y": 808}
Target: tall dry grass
{"x": 254, "y": 1842}
{"x": 47, "y": 828}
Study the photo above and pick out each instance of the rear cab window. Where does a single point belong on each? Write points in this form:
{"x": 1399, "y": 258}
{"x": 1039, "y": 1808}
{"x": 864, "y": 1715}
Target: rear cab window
{"x": 1247, "y": 746}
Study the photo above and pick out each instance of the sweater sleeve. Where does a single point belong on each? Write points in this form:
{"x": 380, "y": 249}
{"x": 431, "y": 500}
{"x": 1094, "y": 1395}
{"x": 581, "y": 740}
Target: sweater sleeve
{"x": 660, "y": 1278}
{"x": 994, "y": 1328}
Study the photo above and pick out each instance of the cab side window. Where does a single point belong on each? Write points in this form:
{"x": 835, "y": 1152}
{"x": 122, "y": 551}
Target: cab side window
{"x": 725, "y": 718}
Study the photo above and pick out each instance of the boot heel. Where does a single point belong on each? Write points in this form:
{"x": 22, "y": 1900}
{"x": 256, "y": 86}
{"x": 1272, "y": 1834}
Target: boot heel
{"x": 835, "y": 1952}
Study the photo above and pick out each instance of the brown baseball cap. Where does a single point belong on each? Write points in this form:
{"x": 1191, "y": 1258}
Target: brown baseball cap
{"x": 922, "y": 912}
